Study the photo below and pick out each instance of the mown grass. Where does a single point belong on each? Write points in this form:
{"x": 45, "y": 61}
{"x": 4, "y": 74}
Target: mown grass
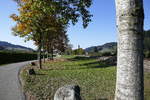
{"x": 96, "y": 80}
{"x": 147, "y": 85}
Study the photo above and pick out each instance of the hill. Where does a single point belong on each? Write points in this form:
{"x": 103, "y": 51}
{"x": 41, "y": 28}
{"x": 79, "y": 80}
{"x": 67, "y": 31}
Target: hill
{"x": 111, "y": 46}
{"x": 12, "y": 47}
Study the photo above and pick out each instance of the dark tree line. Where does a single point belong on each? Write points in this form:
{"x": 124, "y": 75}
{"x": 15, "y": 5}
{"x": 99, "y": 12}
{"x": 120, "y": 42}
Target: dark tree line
{"x": 147, "y": 43}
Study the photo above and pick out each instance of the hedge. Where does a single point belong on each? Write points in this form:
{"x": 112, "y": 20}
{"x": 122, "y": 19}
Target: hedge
{"x": 11, "y": 57}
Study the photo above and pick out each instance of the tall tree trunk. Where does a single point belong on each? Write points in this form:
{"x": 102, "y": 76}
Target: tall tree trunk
{"x": 44, "y": 57}
{"x": 130, "y": 16}
{"x": 52, "y": 53}
{"x": 39, "y": 57}
{"x": 39, "y": 54}
{"x": 43, "y": 45}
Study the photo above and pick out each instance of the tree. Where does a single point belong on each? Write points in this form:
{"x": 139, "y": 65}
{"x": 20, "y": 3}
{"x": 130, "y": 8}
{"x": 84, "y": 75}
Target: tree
{"x": 31, "y": 21}
{"x": 68, "y": 50}
{"x": 66, "y": 10}
{"x": 130, "y": 16}
{"x": 79, "y": 51}
{"x": 57, "y": 42}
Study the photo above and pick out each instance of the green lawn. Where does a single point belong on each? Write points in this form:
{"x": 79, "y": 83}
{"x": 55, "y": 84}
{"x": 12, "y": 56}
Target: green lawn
{"x": 96, "y": 80}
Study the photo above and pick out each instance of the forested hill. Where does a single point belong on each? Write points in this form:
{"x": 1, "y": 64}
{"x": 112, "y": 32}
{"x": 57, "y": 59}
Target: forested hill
{"x": 12, "y": 47}
{"x": 112, "y": 46}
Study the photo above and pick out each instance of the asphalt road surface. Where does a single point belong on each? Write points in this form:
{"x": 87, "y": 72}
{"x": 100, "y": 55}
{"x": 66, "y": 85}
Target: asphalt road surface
{"x": 10, "y": 88}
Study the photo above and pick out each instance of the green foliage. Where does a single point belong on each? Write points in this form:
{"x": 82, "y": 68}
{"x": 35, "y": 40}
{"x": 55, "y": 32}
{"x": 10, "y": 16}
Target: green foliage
{"x": 12, "y": 57}
{"x": 39, "y": 16}
{"x": 147, "y": 54}
{"x": 41, "y": 20}
{"x": 79, "y": 51}
{"x": 68, "y": 50}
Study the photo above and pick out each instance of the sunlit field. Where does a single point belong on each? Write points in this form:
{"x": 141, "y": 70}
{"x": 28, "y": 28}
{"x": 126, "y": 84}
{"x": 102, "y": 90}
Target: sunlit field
{"x": 96, "y": 80}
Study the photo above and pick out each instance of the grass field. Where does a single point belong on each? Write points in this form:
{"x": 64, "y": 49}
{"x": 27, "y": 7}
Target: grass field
{"x": 96, "y": 80}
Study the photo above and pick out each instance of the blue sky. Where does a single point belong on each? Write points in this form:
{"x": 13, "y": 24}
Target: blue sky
{"x": 102, "y": 29}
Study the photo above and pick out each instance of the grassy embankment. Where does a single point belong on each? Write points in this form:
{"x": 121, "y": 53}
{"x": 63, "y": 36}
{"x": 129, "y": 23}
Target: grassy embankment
{"x": 97, "y": 81}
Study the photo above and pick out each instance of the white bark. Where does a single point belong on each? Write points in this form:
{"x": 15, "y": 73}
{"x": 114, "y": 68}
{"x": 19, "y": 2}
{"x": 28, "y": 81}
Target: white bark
{"x": 130, "y": 15}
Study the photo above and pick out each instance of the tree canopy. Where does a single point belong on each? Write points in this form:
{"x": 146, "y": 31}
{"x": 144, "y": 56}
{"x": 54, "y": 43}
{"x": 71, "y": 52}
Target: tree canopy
{"x": 40, "y": 16}
{"x": 46, "y": 21}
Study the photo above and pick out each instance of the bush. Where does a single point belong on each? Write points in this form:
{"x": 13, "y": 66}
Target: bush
{"x": 106, "y": 54}
{"x": 147, "y": 54}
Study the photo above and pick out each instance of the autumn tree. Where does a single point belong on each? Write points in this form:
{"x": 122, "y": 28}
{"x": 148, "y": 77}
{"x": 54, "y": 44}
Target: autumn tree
{"x": 32, "y": 15}
{"x": 57, "y": 41}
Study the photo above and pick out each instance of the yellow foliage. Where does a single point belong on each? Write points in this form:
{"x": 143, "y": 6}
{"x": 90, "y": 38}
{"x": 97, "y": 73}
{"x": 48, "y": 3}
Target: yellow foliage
{"x": 21, "y": 27}
{"x": 29, "y": 22}
{"x": 27, "y": 31}
{"x": 24, "y": 7}
{"x": 24, "y": 0}
{"x": 28, "y": 14}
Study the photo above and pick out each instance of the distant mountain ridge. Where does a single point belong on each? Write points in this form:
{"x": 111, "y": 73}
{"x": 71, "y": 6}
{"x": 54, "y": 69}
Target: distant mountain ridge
{"x": 8, "y": 46}
{"x": 111, "y": 46}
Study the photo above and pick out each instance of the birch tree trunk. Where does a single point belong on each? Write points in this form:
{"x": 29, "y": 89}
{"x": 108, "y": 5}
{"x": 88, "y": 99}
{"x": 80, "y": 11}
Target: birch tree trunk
{"x": 130, "y": 16}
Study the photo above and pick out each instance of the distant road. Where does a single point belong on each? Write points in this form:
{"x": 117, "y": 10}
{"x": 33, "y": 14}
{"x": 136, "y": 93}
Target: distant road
{"x": 10, "y": 88}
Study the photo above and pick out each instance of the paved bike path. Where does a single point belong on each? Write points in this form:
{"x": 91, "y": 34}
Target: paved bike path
{"x": 10, "y": 87}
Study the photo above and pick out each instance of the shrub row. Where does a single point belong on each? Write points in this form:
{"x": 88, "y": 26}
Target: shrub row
{"x": 11, "y": 57}
{"x": 147, "y": 54}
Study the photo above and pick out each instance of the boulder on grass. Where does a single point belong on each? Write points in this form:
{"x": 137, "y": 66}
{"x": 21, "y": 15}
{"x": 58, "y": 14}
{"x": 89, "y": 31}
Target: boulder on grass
{"x": 68, "y": 92}
{"x": 31, "y": 72}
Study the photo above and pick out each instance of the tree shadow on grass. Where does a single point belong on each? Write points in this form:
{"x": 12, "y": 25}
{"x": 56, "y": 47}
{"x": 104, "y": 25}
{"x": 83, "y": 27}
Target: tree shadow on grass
{"x": 102, "y": 99}
{"x": 89, "y": 65}
{"x": 84, "y": 65}
{"x": 77, "y": 58}
{"x": 97, "y": 64}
